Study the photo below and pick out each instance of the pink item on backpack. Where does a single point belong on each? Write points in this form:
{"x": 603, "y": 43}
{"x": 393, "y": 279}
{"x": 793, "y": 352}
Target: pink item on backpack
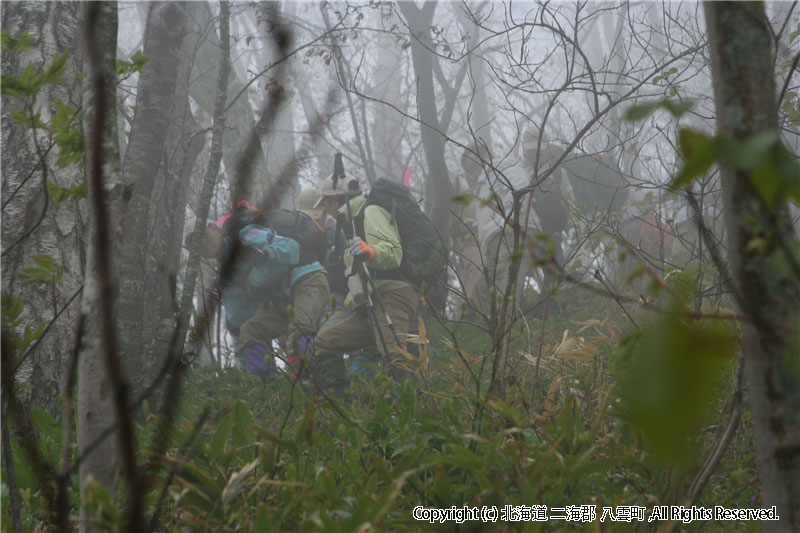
{"x": 242, "y": 203}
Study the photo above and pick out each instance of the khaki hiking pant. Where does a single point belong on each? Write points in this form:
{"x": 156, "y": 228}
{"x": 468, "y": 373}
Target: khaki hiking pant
{"x": 356, "y": 331}
{"x": 310, "y": 298}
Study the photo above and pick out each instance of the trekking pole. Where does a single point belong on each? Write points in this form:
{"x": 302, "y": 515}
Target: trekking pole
{"x": 359, "y": 267}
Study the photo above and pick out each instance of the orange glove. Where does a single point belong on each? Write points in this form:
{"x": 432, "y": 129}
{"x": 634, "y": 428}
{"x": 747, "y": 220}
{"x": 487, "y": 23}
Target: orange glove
{"x": 359, "y": 247}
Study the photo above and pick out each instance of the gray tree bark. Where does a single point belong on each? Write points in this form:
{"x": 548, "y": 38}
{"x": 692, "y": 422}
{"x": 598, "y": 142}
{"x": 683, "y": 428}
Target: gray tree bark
{"x": 439, "y": 188}
{"x": 143, "y": 158}
{"x": 55, "y": 27}
{"x": 766, "y": 282}
{"x": 185, "y": 141}
{"x": 96, "y": 406}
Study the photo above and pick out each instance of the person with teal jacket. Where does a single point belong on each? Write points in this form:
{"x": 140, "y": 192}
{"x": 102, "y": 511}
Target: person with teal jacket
{"x": 295, "y": 306}
{"x": 269, "y": 291}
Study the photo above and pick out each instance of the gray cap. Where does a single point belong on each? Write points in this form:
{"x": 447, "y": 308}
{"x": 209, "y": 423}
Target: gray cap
{"x": 308, "y": 203}
{"x": 530, "y": 139}
{"x": 328, "y": 188}
{"x": 343, "y": 186}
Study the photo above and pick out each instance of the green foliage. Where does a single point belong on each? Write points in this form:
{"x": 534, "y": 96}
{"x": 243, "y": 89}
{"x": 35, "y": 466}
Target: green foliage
{"x": 68, "y": 135}
{"x": 665, "y": 75}
{"x": 59, "y": 194}
{"x": 100, "y": 506}
{"x": 45, "y": 271}
{"x": 33, "y": 79}
{"x": 274, "y": 459}
{"x": 642, "y": 111}
{"x": 791, "y": 107}
{"x": 9, "y": 44}
{"x": 135, "y": 64}
{"x": 64, "y": 126}
{"x": 669, "y": 373}
{"x": 775, "y": 172}
{"x": 13, "y": 321}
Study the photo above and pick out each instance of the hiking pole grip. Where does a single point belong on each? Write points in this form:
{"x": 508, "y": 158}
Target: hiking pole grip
{"x": 338, "y": 168}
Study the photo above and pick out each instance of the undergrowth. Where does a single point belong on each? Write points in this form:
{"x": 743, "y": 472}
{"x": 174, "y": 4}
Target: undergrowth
{"x": 242, "y": 456}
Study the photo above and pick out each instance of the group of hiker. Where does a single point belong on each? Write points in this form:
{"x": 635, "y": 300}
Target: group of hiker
{"x": 551, "y": 186}
{"x": 325, "y": 279}
{"x": 344, "y": 272}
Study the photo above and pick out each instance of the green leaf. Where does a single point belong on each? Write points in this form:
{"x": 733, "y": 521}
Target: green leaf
{"x": 263, "y": 522}
{"x": 305, "y": 430}
{"x": 12, "y": 86}
{"x": 12, "y": 308}
{"x": 642, "y": 111}
{"x": 21, "y": 43}
{"x": 68, "y": 136}
{"x": 44, "y": 272}
{"x": 747, "y": 154}
{"x": 677, "y": 108}
{"x": 699, "y": 153}
{"x": 135, "y": 64}
{"x": 59, "y": 194}
{"x": 220, "y": 437}
{"x": 53, "y": 75}
{"x": 669, "y": 376}
{"x": 794, "y": 34}
{"x": 42, "y": 420}
{"x": 242, "y": 420}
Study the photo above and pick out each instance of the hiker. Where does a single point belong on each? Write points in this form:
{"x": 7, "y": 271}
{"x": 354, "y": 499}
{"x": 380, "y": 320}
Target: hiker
{"x": 488, "y": 266}
{"x": 334, "y": 194}
{"x": 377, "y": 244}
{"x": 240, "y": 304}
{"x": 333, "y": 197}
{"x": 589, "y": 185}
{"x": 269, "y": 272}
{"x": 304, "y": 287}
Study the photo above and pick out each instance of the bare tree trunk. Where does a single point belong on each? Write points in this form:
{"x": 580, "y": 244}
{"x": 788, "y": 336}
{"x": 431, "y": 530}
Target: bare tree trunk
{"x": 185, "y": 142}
{"x": 239, "y": 113}
{"x": 387, "y": 128}
{"x": 143, "y": 158}
{"x": 210, "y": 179}
{"x": 766, "y": 282}
{"x": 32, "y": 224}
{"x": 96, "y": 406}
{"x": 439, "y": 188}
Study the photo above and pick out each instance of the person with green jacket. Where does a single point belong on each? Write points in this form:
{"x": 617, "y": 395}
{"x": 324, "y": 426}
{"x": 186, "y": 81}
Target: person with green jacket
{"x": 376, "y": 244}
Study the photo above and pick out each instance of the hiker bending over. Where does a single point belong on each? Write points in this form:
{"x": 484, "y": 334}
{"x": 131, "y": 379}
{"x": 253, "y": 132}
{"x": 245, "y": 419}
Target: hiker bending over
{"x": 278, "y": 264}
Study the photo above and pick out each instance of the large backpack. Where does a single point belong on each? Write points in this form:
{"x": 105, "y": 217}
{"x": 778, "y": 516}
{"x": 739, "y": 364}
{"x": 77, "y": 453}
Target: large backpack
{"x": 285, "y": 223}
{"x": 312, "y": 239}
{"x": 424, "y": 251}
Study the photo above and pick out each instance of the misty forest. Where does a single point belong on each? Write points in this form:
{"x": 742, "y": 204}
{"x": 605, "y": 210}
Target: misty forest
{"x": 400, "y": 266}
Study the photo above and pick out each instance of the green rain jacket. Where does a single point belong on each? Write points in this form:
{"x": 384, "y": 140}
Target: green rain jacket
{"x": 381, "y": 234}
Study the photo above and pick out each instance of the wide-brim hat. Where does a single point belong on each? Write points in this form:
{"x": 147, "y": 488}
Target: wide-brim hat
{"x": 308, "y": 203}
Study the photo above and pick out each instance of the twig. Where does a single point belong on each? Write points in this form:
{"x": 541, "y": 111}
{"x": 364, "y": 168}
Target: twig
{"x": 62, "y": 498}
{"x": 11, "y": 372}
{"x": 11, "y": 478}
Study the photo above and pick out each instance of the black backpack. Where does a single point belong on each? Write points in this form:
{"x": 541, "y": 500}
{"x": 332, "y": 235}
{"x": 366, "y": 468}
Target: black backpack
{"x": 285, "y": 223}
{"x": 424, "y": 251}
